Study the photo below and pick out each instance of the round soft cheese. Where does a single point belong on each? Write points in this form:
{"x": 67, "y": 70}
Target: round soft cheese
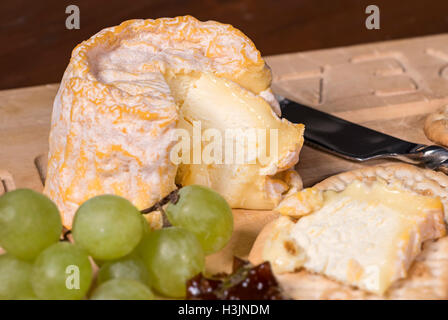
{"x": 119, "y": 104}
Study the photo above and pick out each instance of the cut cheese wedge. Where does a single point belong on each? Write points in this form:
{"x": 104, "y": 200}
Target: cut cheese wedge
{"x": 365, "y": 233}
{"x": 235, "y": 115}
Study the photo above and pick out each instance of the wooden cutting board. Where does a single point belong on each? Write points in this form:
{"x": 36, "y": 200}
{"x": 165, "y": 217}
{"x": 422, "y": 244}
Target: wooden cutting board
{"x": 387, "y": 86}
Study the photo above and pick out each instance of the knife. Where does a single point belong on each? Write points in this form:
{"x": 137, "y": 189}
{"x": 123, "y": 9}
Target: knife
{"x": 355, "y": 142}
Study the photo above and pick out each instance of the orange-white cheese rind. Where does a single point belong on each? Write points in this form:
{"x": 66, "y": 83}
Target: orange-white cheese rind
{"x": 118, "y": 104}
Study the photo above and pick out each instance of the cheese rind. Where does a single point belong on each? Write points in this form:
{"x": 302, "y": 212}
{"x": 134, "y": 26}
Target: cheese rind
{"x": 281, "y": 250}
{"x": 299, "y": 204}
{"x": 104, "y": 140}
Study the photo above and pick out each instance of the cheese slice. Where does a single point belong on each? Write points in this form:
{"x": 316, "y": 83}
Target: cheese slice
{"x": 119, "y": 106}
{"x": 366, "y": 235}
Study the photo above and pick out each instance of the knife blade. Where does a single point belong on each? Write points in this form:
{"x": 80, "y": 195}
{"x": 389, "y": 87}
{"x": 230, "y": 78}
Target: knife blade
{"x": 358, "y": 143}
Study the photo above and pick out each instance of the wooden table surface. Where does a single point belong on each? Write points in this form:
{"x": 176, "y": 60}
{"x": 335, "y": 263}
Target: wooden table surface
{"x": 389, "y": 86}
{"x": 35, "y": 45}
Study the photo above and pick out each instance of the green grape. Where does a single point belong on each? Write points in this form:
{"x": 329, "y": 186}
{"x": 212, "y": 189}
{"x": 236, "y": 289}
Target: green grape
{"x": 62, "y": 272}
{"x": 99, "y": 263}
{"x": 29, "y": 223}
{"x": 129, "y": 267}
{"x": 108, "y": 227}
{"x": 146, "y": 228}
{"x": 14, "y": 277}
{"x": 172, "y": 255}
{"x": 205, "y": 213}
{"x": 122, "y": 289}
{"x": 27, "y": 295}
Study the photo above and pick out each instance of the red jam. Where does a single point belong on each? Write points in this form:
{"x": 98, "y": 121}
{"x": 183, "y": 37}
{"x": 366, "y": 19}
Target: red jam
{"x": 245, "y": 283}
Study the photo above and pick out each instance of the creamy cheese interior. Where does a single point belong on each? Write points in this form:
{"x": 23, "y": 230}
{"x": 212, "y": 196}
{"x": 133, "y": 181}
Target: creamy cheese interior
{"x": 366, "y": 236}
{"x": 222, "y": 106}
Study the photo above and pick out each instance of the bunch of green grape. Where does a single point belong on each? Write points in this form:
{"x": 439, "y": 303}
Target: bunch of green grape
{"x": 107, "y": 230}
{"x": 37, "y": 265}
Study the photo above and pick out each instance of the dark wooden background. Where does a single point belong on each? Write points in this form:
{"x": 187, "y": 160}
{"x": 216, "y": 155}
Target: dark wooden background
{"x": 35, "y": 46}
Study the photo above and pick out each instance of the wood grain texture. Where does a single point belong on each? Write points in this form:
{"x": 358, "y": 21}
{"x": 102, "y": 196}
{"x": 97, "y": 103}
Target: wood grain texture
{"x": 389, "y": 86}
{"x": 36, "y": 45}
